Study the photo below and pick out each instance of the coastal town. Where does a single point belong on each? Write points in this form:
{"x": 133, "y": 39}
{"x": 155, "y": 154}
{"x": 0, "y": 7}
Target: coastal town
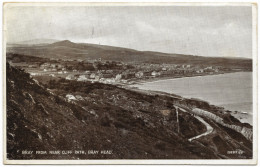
{"x": 110, "y": 72}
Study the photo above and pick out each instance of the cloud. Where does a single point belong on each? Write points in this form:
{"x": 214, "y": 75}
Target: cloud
{"x": 205, "y": 31}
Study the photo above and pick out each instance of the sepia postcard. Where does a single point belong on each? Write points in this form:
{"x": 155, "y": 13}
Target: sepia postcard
{"x": 130, "y": 83}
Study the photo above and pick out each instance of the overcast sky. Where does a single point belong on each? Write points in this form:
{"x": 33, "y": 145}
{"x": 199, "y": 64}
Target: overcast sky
{"x": 204, "y": 31}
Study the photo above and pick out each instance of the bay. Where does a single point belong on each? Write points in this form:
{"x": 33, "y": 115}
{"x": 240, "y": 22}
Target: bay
{"x": 233, "y": 91}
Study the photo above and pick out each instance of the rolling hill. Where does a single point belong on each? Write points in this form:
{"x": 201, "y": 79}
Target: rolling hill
{"x": 69, "y": 50}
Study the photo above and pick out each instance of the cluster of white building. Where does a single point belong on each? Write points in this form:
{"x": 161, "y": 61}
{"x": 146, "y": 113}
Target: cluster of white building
{"x": 96, "y": 77}
{"x": 53, "y": 67}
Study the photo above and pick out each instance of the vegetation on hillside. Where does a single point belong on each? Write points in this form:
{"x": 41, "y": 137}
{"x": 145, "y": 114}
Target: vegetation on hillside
{"x": 105, "y": 117}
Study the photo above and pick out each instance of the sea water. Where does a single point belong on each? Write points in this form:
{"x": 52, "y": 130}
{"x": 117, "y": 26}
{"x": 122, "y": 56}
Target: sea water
{"x": 233, "y": 91}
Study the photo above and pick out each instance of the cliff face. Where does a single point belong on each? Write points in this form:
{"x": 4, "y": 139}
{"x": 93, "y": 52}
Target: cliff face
{"x": 35, "y": 119}
{"x": 104, "y": 117}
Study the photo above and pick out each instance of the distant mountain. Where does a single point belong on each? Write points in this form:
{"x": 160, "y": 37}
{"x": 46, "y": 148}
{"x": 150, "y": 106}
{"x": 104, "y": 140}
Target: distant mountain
{"x": 63, "y": 43}
{"x": 36, "y": 42}
{"x": 69, "y": 50}
{"x": 68, "y": 43}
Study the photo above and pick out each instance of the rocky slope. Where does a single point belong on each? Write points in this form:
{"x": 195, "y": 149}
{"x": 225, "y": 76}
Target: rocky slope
{"x": 131, "y": 124}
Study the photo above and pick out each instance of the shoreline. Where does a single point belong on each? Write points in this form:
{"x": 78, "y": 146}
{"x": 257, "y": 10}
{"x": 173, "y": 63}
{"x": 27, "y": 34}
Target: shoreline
{"x": 177, "y": 77}
{"x": 243, "y": 117}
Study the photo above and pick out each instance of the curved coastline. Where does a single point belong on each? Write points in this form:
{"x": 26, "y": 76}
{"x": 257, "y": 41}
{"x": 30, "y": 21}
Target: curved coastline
{"x": 153, "y": 80}
{"x": 243, "y": 116}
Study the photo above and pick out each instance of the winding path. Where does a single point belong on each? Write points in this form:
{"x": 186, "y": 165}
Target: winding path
{"x": 209, "y": 128}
